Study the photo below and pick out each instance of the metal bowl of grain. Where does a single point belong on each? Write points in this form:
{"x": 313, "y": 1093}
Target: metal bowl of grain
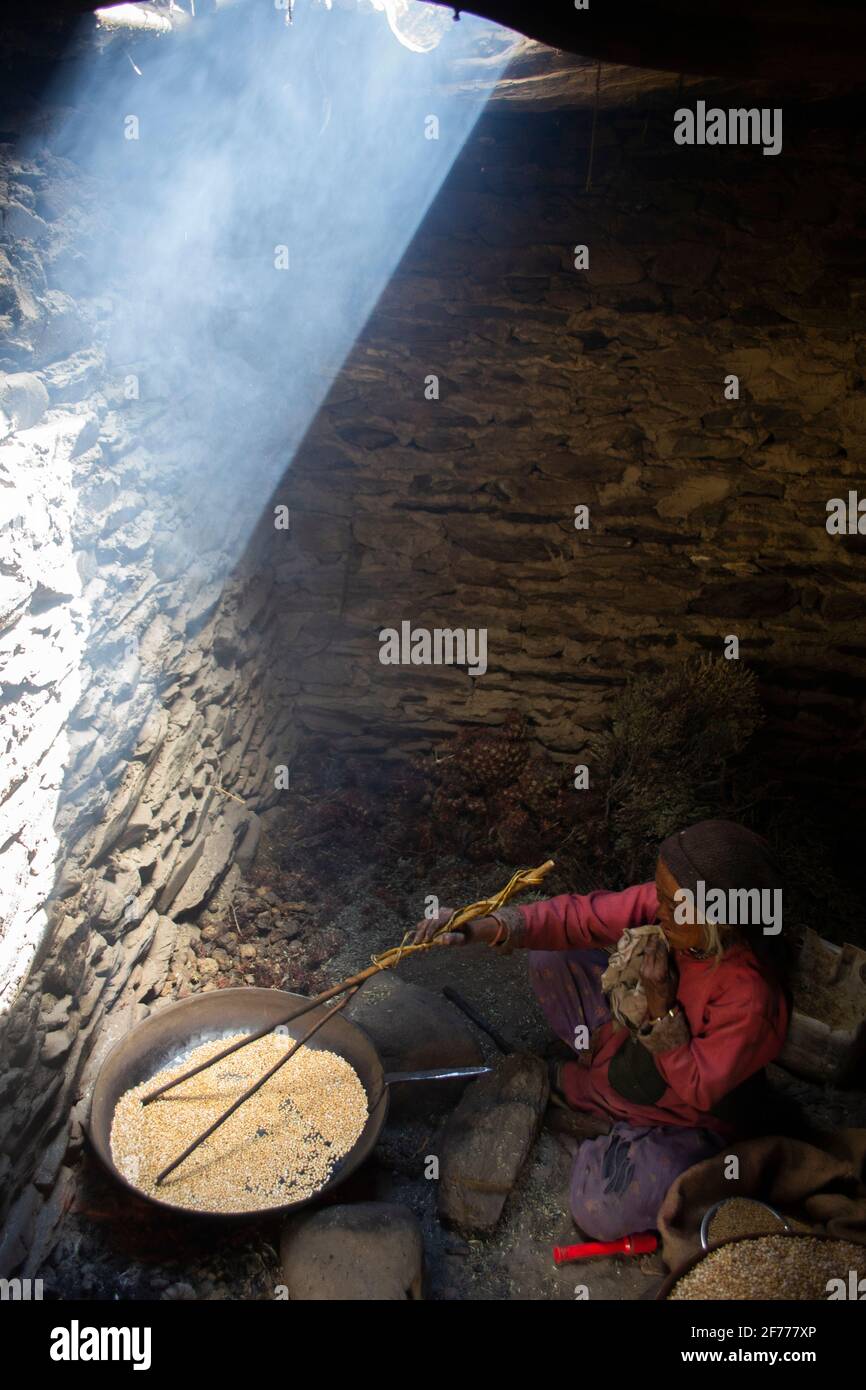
{"x": 739, "y": 1216}
{"x": 788, "y": 1265}
{"x": 344, "y": 1115}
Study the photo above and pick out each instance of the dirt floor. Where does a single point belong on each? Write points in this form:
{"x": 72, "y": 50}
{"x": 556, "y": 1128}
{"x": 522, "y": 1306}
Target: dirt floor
{"x": 114, "y": 1247}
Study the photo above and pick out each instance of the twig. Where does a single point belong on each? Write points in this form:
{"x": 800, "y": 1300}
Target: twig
{"x": 231, "y": 794}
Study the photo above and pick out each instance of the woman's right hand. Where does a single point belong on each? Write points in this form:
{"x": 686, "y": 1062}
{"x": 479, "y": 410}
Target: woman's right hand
{"x": 478, "y": 933}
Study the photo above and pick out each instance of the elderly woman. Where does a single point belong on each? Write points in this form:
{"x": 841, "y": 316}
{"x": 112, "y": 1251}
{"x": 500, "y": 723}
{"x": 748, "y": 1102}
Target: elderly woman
{"x": 684, "y": 1016}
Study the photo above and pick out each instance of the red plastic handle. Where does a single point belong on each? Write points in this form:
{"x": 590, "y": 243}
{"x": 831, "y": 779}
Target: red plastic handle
{"x": 644, "y": 1243}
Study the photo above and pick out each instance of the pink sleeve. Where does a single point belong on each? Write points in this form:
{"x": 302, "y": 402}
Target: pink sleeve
{"x": 741, "y": 1034}
{"x": 577, "y": 920}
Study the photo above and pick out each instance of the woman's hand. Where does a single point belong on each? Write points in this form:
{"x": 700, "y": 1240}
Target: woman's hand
{"x": 478, "y": 933}
{"x": 658, "y": 978}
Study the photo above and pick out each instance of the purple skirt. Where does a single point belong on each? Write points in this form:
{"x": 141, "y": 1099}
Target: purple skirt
{"x": 619, "y": 1180}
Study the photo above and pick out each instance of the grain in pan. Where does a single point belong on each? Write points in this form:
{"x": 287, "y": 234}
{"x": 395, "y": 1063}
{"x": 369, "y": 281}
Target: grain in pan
{"x": 280, "y": 1146}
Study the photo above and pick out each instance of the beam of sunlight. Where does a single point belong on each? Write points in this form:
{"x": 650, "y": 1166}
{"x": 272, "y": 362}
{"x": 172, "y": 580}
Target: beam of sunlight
{"x": 259, "y": 181}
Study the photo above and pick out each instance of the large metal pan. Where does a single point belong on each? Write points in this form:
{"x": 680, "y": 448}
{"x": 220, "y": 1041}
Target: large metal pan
{"x": 166, "y": 1039}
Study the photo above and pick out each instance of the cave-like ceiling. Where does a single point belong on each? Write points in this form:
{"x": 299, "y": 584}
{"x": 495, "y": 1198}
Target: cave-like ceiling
{"x": 766, "y": 39}
{"x": 617, "y": 52}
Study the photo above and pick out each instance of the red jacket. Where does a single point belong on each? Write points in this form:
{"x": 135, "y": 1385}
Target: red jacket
{"x": 737, "y": 1013}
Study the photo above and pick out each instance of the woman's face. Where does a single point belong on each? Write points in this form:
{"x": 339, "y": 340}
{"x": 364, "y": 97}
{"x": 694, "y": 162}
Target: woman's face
{"x": 682, "y": 936}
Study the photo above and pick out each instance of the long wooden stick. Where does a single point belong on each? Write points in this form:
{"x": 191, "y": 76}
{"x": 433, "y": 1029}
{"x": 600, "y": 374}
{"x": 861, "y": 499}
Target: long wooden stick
{"x": 236, "y": 1104}
{"x": 305, "y": 1008}
{"x": 524, "y": 878}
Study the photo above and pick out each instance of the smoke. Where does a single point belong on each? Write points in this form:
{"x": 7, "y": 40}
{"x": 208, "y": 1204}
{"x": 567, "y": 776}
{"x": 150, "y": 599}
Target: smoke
{"x": 257, "y": 183}
{"x": 265, "y": 179}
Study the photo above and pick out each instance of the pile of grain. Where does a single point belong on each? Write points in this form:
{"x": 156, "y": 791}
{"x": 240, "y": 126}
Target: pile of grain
{"x": 279, "y": 1146}
{"x": 787, "y": 1267}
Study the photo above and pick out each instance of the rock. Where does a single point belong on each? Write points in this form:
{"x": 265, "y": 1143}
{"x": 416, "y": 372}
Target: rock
{"x": 154, "y": 970}
{"x": 181, "y": 1293}
{"x": 57, "y": 1045}
{"x": 134, "y": 537}
{"x": 322, "y": 945}
{"x": 152, "y": 734}
{"x": 486, "y": 1142}
{"x": 54, "y": 1012}
{"x": 367, "y": 436}
{"x": 118, "y": 812}
{"x": 181, "y": 869}
{"x": 20, "y": 223}
{"x": 50, "y": 1160}
{"x": 139, "y": 825}
{"x": 62, "y": 329}
{"x": 700, "y": 491}
{"x": 64, "y": 969}
{"x": 415, "y": 1029}
{"x": 126, "y": 879}
{"x": 70, "y": 879}
{"x": 23, "y": 401}
{"x": 17, "y": 1232}
{"x": 133, "y": 946}
{"x": 212, "y": 864}
{"x": 75, "y": 377}
{"x": 106, "y": 903}
{"x": 48, "y": 1222}
{"x": 248, "y": 847}
{"x": 366, "y": 1251}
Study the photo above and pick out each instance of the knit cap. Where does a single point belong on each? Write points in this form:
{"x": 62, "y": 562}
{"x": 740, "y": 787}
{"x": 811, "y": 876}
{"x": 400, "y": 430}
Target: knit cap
{"x": 721, "y": 853}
